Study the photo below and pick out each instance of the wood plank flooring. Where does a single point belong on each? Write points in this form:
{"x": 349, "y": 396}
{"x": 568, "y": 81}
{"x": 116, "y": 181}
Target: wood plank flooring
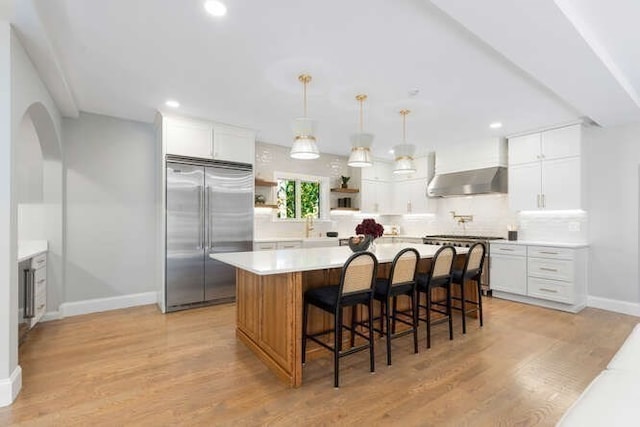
{"x": 138, "y": 367}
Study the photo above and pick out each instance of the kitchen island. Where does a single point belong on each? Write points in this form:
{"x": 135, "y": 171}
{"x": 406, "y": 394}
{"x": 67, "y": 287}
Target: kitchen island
{"x": 269, "y": 297}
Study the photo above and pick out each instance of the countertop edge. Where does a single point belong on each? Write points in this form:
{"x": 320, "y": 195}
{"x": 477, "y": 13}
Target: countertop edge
{"x": 31, "y": 249}
{"x": 541, "y": 243}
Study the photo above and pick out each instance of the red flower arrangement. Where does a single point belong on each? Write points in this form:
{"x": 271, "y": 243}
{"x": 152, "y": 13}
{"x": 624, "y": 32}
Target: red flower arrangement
{"x": 370, "y": 227}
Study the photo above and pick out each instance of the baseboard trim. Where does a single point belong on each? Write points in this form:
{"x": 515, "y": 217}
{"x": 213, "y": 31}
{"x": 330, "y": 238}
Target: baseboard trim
{"x": 77, "y": 308}
{"x": 51, "y": 315}
{"x": 624, "y": 307}
{"x": 10, "y": 387}
{"x": 575, "y": 308}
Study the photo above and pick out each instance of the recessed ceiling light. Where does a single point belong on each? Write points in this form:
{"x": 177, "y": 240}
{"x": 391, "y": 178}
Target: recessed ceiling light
{"x": 171, "y": 103}
{"x": 495, "y": 125}
{"x": 215, "y": 8}
{"x": 391, "y": 151}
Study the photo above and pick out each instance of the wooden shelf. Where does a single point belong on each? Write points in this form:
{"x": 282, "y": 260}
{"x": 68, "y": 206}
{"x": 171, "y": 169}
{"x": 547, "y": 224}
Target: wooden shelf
{"x": 345, "y": 190}
{"x": 345, "y": 209}
{"x": 263, "y": 183}
{"x": 263, "y": 205}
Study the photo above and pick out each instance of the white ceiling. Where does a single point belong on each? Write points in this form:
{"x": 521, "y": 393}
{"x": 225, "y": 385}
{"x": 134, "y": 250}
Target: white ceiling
{"x": 474, "y": 63}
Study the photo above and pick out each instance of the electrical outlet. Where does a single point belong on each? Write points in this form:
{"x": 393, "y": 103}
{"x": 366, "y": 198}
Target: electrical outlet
{"x": 574, "y": 226}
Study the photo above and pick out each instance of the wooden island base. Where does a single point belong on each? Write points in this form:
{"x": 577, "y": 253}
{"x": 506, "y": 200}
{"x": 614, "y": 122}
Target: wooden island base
{"x": 269, "y": 315}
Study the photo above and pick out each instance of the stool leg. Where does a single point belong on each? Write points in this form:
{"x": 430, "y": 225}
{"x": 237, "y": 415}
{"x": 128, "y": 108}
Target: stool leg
{"x": 337, "y": 344}
{"x": 353, "y": 323}
{"x": 383, "y": 307}
{"x": 449, "y": 311}
{"x": 395, "y": 310}
{"x": 414, "y": 312}
{"x": 428, "y": 317}
{"x": 480, "y": 301}
{"x": 388, "y": 333}
{"x": 372, "y": 360}
{"x": 305, "y": 313}
{"x": 463, "y": 307}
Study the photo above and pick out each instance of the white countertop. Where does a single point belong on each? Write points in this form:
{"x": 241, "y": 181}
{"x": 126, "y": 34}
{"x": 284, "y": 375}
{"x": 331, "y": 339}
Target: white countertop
{"x": 292, "y": 260}
{"x": 541, "y": 243}
{"x": 30, "y": 248}
{"x": 299, "y": 239}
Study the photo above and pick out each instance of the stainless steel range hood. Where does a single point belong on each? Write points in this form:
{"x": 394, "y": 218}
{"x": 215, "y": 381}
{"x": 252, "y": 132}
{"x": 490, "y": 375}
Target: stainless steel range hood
{"x": 477, "y": 181}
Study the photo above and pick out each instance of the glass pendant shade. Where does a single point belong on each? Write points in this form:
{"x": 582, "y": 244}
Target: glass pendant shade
{"x": 304, "y": 143}
{"x": 360, "y": 156}
{"x": 404, "y": 158}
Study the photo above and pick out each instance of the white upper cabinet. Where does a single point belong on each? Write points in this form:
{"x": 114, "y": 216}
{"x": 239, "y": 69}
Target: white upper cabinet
{"x": 375, "y": 197}
{"x": 208, "y": 140}
{"x": 380, "y": 171}
{"x": 233, "y": 144}
{"x": 524, "y": 149}
{"x": 189, "y": 138}
{"x": 561, "y": 143}
{"x": 410, "y": 197}
{"x": 545, "y": 170}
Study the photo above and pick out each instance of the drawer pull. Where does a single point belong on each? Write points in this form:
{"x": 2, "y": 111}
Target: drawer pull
{"x": 553, "y": 291}
{"x": 548, "y": 269}
{"x": 505, "y": 249}
{"x": 549, "y": 253}
{"x": 41, "y": 306}
{"x": 41, "y": 281}
{"x": 289, "y": 246}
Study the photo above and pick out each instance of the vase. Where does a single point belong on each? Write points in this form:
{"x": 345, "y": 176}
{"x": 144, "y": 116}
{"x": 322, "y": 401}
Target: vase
{"x": 359, "y": 244}
{"x": 372, "y": 245}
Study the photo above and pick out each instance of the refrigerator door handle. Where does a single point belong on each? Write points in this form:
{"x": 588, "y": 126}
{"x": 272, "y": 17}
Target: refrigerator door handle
{"x": 200, "y": 217}
{"x": 207, "y": 229}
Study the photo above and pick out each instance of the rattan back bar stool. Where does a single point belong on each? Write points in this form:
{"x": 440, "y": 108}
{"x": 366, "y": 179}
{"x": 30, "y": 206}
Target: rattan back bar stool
{"x": 438, "y": 277}
{"x": 357, "y": 281}
{"x": 472, "y": 271}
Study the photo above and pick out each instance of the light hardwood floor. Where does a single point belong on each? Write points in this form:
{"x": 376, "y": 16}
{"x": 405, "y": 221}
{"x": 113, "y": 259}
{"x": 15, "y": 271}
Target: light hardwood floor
{"x": 138, "y": 367}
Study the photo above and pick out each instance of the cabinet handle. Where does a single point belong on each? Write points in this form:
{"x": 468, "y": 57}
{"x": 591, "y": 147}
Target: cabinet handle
{"x": 549, "y": 253}
{"x": 40, "y": 261}
{"x": 538, "y": 200}
{"x": 553, "y": 291}
{"x": 544, "y": 201}
{"x": 548, "y": 269}
{"x": 507, "y": 250}
{"x": 41, "y": 281}
{"x": 288, "y": 246}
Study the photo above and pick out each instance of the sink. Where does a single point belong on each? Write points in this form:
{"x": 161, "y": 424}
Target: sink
{"x": 319, "y": 242}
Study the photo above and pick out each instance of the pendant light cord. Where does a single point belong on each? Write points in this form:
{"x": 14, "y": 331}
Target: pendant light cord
{"x": 404, "y": 125}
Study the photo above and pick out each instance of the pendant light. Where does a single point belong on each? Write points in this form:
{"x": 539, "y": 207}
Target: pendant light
{"x": 304, "y": 143}
{"x": 361, "y": 142}
{"x": 404, "y": 152}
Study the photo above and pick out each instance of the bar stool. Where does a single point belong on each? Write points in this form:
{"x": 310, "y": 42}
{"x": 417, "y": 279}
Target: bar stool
{"x": 438, "y": 277}
{"x": 472, "y": 271}
{"x": 357, "y": 281}
{"x": 401, "y": 281}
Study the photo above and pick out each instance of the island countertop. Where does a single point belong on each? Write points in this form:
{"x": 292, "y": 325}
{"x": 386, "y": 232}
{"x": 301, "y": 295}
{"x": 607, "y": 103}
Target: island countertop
{"x": 294, "y": 260}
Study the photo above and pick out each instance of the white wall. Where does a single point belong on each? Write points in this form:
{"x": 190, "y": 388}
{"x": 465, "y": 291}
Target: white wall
{"x": 110, "y": 200}
{"x": 20, "y": 89}
{"x": 613, "y": 161}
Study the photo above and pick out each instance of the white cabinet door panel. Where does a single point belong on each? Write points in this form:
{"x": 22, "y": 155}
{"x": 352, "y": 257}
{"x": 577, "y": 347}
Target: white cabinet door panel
{"x": 561, "y": 184}
{"x": 233, "y": 144}
{"x": 561, "y": 143}
{"x": 524, "y": 149}
{"x": 189, "y": 138}
{"x": 524, "y": 186}
{"x": 509, "y": 274}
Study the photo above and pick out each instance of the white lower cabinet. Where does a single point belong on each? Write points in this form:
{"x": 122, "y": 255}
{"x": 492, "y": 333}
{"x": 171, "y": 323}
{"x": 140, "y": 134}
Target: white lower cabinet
{"x": 283, "y": 244}
{"x": 509, "y": 273}
{"x": 547, "y": 273}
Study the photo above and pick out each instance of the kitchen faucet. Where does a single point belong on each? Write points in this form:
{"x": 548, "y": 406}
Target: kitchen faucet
{"x": 308, "y": 226}
{"x": 462, "y": 219}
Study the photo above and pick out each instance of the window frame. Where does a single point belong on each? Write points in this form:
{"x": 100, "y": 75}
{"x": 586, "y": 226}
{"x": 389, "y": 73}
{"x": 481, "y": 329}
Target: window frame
{"x": 324, "y": 192}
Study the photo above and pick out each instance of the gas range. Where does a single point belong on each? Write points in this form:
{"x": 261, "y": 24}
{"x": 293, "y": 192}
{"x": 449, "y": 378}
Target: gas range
{"x": 457, "y": 240}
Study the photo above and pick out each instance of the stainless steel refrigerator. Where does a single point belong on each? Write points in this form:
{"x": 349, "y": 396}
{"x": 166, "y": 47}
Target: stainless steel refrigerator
{"x": 209, "y": 210}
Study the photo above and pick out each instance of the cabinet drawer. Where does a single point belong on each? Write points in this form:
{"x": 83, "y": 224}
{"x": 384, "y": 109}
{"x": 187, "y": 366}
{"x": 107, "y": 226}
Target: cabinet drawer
{"x": 550, "y": 290}
{"x": 289, "y": 245}
{"x": 264, "y": 246}
{"x": 506, "y": 249}
{"x": 551, "y": 252}
{"x": 39, "y": 261}
{"x": 551, "y": 269}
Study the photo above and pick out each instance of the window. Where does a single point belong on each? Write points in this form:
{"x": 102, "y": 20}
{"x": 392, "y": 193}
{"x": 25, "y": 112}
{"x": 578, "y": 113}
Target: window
{"x": 301, "y": 196}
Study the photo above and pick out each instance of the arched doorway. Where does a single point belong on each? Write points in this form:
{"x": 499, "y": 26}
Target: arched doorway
{"x": 39, "y": 188}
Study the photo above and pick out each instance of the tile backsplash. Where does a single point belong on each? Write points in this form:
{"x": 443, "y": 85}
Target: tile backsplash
{"x": 491, "y": 213}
